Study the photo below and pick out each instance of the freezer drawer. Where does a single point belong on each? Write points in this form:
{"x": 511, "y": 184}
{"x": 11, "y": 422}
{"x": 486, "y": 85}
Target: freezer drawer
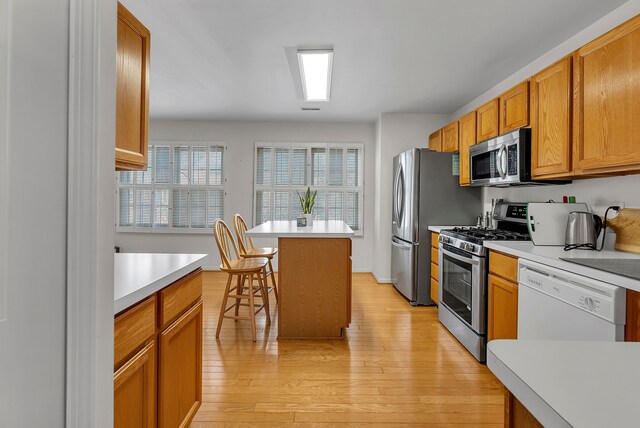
{"x": 403, "y": 267}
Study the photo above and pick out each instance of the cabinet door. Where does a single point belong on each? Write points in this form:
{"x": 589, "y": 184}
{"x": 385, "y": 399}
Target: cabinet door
{"x": 467, "y": 139}
{"x": 180, "y": 374}
{"x": 487, "y": 120}
{"x": 503, "y": 309}
{"x": 514, "y": 108}
{"x": 434, "y": 290}
{"x": 450, "y": 137}
{"x": 551, "y": 121}
{"x": 606, "y": 131}
{"x": 134, "y": 388}
{"x": 435, "y": 141}
{"x": 132, "y": 92}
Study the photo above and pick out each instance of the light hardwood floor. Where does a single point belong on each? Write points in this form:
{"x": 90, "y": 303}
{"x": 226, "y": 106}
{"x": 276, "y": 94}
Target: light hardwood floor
{"x": 396, "y": 366}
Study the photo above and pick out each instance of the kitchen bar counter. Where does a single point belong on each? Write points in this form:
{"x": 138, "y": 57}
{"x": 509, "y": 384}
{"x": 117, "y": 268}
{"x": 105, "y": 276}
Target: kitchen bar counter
{"x": 314, "y": 277}
{"x": 571, "y": 384}
{"x": 550, "y": 256}
{"x": 139, "y": 275}
{"x": 289, "y": 229}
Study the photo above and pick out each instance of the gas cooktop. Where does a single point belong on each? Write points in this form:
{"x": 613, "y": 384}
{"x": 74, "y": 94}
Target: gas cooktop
{"x": 478, "y": 234}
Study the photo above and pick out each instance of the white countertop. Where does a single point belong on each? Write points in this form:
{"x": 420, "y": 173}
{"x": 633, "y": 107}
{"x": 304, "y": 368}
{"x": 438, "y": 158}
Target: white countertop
{"x": 288, "y": 229}
{"x": 139, "y": 275}
{"x": 550, "y": 256}
{"x": 579, "y": 384}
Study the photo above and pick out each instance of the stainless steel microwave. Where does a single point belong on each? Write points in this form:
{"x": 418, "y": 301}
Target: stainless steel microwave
{"x": 502, "y": 161}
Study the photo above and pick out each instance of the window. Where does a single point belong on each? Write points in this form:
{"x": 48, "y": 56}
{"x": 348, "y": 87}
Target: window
{"x": 334, "y": 170}
{"x": 182, "y": 189}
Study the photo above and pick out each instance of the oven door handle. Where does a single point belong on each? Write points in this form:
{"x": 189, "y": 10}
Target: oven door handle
{"x": 473, "y": 261}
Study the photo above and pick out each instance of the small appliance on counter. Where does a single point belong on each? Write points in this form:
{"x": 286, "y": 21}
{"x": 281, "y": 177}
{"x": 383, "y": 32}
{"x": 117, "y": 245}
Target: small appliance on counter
{"x": 583, "y": 230}
{"x": 547, "y": 221}
{"x": 463, "y": 274}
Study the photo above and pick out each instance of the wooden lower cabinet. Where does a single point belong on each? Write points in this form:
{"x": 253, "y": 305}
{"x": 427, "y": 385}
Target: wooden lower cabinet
{"x": 503, "y": 309}
{"x": 180, "y": 374}
{"x": 516, "y": 415}
{"x": 434, "y": 267}
{"x": 632, "y": 327}
{"x": 134, "y": 388}
{"x": 502, "y": 313}
{"x": 158, "y": 366}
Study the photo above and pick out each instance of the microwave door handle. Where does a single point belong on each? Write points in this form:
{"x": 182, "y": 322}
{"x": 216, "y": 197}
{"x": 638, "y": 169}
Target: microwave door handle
{"x": 501, "y": 162}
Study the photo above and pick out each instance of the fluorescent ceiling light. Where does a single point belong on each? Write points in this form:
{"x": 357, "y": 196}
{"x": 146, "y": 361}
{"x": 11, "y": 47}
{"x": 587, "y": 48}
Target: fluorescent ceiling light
{"x": 315, "y": 71}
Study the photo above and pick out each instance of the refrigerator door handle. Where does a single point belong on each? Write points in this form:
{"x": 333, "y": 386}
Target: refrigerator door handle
{"x": 399, "y": 196}
{"x": 400, "y": 245}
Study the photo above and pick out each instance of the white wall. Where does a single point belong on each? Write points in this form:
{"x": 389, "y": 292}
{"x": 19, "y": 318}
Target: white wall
{"x": 240, "y": 138}
{"x": 395, "y": 133}
{"x": 32, "y": 333}
{"x": 598, "y": 193}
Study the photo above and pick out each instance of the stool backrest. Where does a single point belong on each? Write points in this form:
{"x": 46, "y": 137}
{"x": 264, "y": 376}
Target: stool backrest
{"x": 244, "y": 242}
{"x": 225, "y": 242}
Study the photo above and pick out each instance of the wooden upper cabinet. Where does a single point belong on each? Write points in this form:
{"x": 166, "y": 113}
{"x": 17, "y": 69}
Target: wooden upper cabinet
{"x": 514, "y": 108}
{"x": 435, "y": 141}
{"x": 551, "y": 101}
{"x": 606, "y": 129}
{"x": 467, "y": 129}
{"x": 450, "y": 137}
{"x": 487, "y": 120}
{"x": 132, "y": 92}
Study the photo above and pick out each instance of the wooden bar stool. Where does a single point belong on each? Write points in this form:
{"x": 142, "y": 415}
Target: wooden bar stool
{"x": 242, "y": 269}
{"x": 248, "y": 250}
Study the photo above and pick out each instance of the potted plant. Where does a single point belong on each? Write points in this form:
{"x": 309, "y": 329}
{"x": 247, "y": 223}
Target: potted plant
{"x": 307, "y": 199}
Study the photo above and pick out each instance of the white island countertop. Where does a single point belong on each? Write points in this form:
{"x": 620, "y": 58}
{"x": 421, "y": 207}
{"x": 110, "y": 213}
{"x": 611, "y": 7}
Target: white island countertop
{"x": 289, "y": 229}
{"x": 139, "y": 275}
{"x": 550, "y": 256}
{"x": 571, "y": 384}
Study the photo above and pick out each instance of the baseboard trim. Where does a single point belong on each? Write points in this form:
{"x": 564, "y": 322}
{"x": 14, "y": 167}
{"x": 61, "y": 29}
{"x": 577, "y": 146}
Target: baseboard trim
{"x": 381, "y": 280}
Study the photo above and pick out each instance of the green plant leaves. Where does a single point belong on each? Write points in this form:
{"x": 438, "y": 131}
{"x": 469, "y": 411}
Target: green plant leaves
{"x": 307, "y": 200}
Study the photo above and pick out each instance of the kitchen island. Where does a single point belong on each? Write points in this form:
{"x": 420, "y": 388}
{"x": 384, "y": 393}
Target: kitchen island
{"x": 157, "y": 339}
{"x": 314, "y": 277}
{"x": 567, "y": 384}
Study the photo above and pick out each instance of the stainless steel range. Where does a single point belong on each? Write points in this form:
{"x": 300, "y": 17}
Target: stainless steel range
{"x": 462, "y": 275}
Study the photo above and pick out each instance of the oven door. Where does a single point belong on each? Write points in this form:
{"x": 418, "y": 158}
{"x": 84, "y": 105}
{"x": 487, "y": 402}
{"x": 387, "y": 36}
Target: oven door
{"x": 462, "y": 286}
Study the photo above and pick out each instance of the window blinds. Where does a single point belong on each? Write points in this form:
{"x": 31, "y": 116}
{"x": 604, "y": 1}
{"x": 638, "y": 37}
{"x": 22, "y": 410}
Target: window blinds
{"x": 182, "y": 189}
{"x": 335, "y": 170}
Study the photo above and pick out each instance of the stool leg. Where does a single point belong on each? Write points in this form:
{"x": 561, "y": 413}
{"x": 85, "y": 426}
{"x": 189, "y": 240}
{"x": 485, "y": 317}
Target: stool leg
{"x": 252, "y": 314}
{"x": 224, "y": 305}
{"x": 240, "y": 286}
{"x": 273, "y": 280}
{"x": 264, "y": 292}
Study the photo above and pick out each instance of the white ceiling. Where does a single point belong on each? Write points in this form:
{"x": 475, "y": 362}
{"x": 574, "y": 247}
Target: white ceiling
{"x": 225, "y": 59}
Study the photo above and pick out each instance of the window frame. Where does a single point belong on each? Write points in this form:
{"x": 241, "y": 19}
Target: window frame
{"x": 291, "y": 188}
{"x": 171, "y": 186}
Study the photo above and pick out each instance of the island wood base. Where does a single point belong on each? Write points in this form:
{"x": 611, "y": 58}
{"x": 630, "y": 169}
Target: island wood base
{"x": 314, "y": 287}
{"x": 516, "y": 415}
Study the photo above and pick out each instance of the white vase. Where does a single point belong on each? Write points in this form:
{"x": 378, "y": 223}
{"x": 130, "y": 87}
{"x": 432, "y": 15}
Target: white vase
{"x": 309, "y": 218}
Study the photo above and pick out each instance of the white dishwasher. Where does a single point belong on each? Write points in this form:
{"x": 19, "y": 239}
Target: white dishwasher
{"x": 554, "y": 304}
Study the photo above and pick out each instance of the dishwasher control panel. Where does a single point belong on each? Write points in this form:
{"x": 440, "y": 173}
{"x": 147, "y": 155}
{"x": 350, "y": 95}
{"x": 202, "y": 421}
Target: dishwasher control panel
{"x": 596, "y": 297}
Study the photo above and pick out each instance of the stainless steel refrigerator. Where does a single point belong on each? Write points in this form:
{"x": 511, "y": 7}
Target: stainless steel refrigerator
{"x": 425, "y": 193}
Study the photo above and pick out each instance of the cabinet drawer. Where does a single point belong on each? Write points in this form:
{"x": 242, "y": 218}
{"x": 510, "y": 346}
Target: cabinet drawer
{"x": 434, "y": 255}
{"x": 434, "y": 239}
{"x": 133, "y": 328}
{"x": 504, "y": 266}
{"x": 434, "y": 271}
{"x": 180, "y": 296}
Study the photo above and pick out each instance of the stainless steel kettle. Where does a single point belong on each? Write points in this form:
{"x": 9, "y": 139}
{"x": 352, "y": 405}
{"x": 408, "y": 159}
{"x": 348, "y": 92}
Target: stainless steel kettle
{"x": 583, "y": 229}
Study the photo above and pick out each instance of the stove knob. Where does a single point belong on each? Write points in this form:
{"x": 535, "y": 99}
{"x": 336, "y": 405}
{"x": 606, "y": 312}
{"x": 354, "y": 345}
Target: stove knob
{"x": 591, "y": 305}
{"x": 471, "y": 247}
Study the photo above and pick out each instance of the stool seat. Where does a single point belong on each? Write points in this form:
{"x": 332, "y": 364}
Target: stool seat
{"x": 249, "y": 265}
{"x": 267, "y": 252}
